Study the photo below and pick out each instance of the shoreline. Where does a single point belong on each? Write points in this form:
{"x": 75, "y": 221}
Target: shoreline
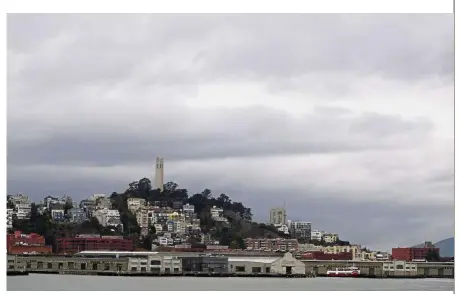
{"x": 216, "y": 275}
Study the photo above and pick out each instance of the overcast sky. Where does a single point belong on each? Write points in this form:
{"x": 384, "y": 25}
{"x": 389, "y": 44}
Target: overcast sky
{"x": 346, "y": 118}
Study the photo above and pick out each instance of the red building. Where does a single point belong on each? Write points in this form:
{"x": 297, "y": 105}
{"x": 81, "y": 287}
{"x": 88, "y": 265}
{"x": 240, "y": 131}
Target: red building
{"x": 18, "y": 243}
{"x": 32, "y": 249}
{"x": 410, "y": 254}
{"x": 77, "y": 244}
{"x": 319, "y": 255}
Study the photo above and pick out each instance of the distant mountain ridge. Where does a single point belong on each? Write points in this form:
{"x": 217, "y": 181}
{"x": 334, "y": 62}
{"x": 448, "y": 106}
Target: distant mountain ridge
{"x": 446, "y": 247}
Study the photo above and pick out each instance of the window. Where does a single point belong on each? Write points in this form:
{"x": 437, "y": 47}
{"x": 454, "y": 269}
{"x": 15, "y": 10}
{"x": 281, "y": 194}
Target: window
{"x": 94, "y": 266}
{"x": 155, "y": 270}
{"x": 155, "y": 262}
{"x": 71, "y": 265}
{"x": 240, "y": 268}
{"x": 167, "y": 270}
{"x": 11, "y": 266}
{"x": 61, "y": 265}
{"x": 50, "y": 265}
{"x": 256, "y": 269}
{"x": 83, "y": 266}
{"x": 176, "y": 270}
{"x": 134, "y": 269}
{"x": 107, "y": 267}
{"x": 29, "y": 265}
{"x": 399, "y": 266}
{"x": 268, "y": 269}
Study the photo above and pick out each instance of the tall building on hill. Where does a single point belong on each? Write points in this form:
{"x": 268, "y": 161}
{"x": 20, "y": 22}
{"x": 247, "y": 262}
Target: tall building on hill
{"x": 159, "y": 174}
{"x": 277, "y": 216}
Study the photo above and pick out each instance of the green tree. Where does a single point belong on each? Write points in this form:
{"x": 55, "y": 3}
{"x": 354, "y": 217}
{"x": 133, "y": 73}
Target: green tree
{"x": 432, "y": 256}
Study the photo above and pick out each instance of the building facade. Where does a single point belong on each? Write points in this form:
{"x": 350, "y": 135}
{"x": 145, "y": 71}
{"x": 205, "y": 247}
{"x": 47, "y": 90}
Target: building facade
{"x": 300, "y": 230}
{"x": 330, "y": 237}
{"x": 58, "y": 215}
{"x": 23, "y": 210}
{"x": 412, "y": 254}
{"x": 317, "y": 235}
{"x": 286, "y": 264}
{"x": 9, "y": 218}
{"x": 277, "y": 216}
{"x": 77, "y": 215}
{"x": 277, "y": 244}
{"x": 75, "y": 245}
{"x": 19, "y": 243}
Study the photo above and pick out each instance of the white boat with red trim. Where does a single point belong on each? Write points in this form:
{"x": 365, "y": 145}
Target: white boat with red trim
{"x": 351, "y": 271}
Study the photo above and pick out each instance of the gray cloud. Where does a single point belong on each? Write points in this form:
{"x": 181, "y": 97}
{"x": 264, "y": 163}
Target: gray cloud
{"x": 341, "y": 116}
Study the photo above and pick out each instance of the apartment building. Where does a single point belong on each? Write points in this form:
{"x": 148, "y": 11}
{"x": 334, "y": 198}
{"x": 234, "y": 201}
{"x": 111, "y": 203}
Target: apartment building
{"x": 271, "y": 244}
{"x": 135, "y": 204}
{"x": 77, "y": 215}
{"x": 188, "y": 209}
{"x": 354, "y": 250}
{"x": 300, "y": 230}
{"x": 58, "y": 215}
{"x": 277, "y": 216}
{"x": 108, "y": 217}
{"x": 19, "y": 199}
{"x": 23, "y": 210}
{"x": 102, "y": 203}
{"x": 317, "y": 235}
{"x": 9, "y": 218}
{"x": 330, "y": 237}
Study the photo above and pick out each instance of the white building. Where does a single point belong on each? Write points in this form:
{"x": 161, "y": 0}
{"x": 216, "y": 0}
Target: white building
{"x": 144, "y": 218}
{"x": 108, "y": 217}
{"x": 309, "y": 247}
{"x": 330, "y": 237}
{"x": 165, "y": 241}
{"x": 317, "y": 235}
{"x": 94, "y": 197}
{"x": 217, "y": 214}
{"x": 58, "y": 214}
{"x": 286, "y": 264}
{"x": 158, "y": 228}
{"x": 20, "y": 199}
{"x": 300, "y": 229}
{"x": 282, "y": 228}
{"x": 103, "y": 202}
{"x": 188, "y": 209}
{"x": 180, "y": 227}
{"x": 159, "y": 174}
{"x": 23, "y": 210}
{"x": 9, "y": 218}
{"x": 135, "y": 204}
{"x": 278, "y": 216}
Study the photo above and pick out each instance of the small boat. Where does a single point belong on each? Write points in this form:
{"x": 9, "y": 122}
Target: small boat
{"x": 351, "y": 271}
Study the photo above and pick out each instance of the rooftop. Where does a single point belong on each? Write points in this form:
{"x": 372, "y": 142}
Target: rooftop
{"x": 114, "y": 253}
{"x": 253, "y": 259}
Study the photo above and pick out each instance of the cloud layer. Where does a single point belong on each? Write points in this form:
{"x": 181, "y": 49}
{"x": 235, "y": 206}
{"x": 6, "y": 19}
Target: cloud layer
{"x": 346, "y": 118}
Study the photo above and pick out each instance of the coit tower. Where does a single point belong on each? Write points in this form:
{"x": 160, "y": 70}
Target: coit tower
{"x": 159, "y": 174}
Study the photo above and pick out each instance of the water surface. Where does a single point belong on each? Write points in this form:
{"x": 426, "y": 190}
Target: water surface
{"x": 44, "y": 282}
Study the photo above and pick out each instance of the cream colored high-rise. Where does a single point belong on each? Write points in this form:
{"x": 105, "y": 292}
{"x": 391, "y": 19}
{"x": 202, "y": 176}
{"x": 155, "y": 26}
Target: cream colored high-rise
{"x": 277, "y": 216}
{"x": 159, "y": 174}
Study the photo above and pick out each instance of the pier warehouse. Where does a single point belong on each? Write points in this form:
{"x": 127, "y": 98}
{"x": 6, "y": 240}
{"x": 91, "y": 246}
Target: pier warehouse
{"x": 286, "y": 264}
